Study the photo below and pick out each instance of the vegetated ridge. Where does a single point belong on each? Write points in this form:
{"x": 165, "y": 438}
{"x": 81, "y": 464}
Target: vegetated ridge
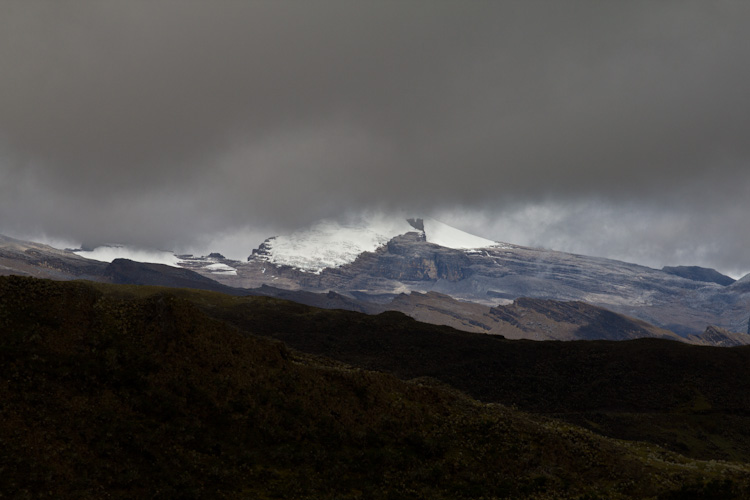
{"x": 134, "y": 392}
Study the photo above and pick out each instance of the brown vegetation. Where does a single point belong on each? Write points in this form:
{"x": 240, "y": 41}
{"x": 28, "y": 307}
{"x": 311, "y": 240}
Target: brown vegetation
{"x": 135, "y": 392}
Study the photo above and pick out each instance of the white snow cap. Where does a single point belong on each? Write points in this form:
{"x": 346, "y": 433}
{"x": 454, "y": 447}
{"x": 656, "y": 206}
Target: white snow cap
{"x": 331, "y": 244}
{"x": 446, "y": 236}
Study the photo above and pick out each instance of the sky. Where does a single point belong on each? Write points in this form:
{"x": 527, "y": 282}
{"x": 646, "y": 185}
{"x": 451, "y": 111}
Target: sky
{"x": 617, "y": 129}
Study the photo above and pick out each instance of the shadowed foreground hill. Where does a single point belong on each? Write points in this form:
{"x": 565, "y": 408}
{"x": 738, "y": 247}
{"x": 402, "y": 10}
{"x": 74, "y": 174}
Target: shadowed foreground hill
{"x": 128, "y": 392}
{"x": 693, "y": 399}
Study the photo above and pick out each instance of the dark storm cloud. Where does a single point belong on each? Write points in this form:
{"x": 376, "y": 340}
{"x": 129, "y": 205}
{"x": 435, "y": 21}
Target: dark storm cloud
{"x": 155, "y": 121}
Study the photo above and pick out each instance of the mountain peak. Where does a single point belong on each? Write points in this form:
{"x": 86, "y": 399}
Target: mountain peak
{"x": 447, "y": 236}
{"x": 417, "y": 224}
{"x": 328, "y": 244}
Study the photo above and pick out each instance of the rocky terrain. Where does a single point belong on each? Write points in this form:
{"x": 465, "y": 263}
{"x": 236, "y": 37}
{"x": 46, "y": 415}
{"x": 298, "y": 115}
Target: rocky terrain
{"x": 526, "y": 318}
{"x": 451, "y": 285}
{"x": 684, "y": 300}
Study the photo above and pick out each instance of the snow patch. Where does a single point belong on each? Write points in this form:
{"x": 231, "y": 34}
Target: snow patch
{"x": 446, "y": 236}
{"x": 219, "y": 268}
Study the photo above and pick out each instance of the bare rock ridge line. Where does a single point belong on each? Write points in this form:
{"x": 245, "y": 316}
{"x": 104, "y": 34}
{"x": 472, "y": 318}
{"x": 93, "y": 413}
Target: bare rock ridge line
{"x": 697, "y": 273}
{"x": 720, "y": 337}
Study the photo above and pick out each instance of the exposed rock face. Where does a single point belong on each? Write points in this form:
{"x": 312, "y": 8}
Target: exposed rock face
{"x": 263, "y": 249}
{"x": 409, "y": 258}
{"x": 720, "y": 337}
{"x": 697, "y": 273}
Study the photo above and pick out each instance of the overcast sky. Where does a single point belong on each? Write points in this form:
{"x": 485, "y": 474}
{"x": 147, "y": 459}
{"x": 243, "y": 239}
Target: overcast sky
{"x": 618, "y": 129}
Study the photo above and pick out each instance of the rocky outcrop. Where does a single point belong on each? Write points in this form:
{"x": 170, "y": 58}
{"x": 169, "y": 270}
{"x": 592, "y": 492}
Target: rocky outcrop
{"x": 410, "y": 258}
{"x": 263, "y": 249}
{"x": 720, "y": 337}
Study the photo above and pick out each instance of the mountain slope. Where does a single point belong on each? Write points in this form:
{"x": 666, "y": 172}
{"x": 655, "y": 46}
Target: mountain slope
{"x": 489, "y": 276}
{"x": 720, "y": 337}
{"x": 649, "y": 389}
{"x": 128, "y": 392}
{"x": 128, "y": 272}
{"x": 526, "y": 318}
{"x": 697, "y": 273}
{"x": 43, "y": 261}
{"x": 555, "y": 320}
{"x": 492, "y": 273}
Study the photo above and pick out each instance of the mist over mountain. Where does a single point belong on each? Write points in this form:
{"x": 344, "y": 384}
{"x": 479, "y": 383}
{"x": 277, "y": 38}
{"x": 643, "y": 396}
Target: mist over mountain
{"x": 324, "y": 250}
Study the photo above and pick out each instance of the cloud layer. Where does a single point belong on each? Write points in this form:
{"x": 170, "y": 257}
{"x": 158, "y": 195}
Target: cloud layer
{"x": 158, "y": 123}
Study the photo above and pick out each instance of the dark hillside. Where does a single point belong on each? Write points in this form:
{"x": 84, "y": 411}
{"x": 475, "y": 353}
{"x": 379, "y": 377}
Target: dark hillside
{"x": 130, "y": 392}
{"x": 659, "y": 390}
{"x": 129, "y": 272}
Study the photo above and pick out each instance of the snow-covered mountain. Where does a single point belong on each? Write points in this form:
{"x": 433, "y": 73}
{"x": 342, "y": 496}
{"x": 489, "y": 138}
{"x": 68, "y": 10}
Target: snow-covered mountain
{"x": 330, "y": 244}
{"x": 383, "y": 258}
{"x": 375, "y": 260}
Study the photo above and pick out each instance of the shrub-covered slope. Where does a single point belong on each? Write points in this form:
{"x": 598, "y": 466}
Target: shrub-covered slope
{"x": 693, "y": 399}
{"x": 128, "y": 392}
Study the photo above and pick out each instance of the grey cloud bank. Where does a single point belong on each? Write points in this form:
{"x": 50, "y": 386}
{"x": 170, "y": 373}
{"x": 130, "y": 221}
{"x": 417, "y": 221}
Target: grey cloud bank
{"x": 617, "y": 129}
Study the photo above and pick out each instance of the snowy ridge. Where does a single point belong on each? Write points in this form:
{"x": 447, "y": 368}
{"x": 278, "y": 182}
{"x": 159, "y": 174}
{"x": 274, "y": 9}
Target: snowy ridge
{"x": 446, "y": 236}
{"x": 110, "y": 253}
{"x": 328, "y": 244}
